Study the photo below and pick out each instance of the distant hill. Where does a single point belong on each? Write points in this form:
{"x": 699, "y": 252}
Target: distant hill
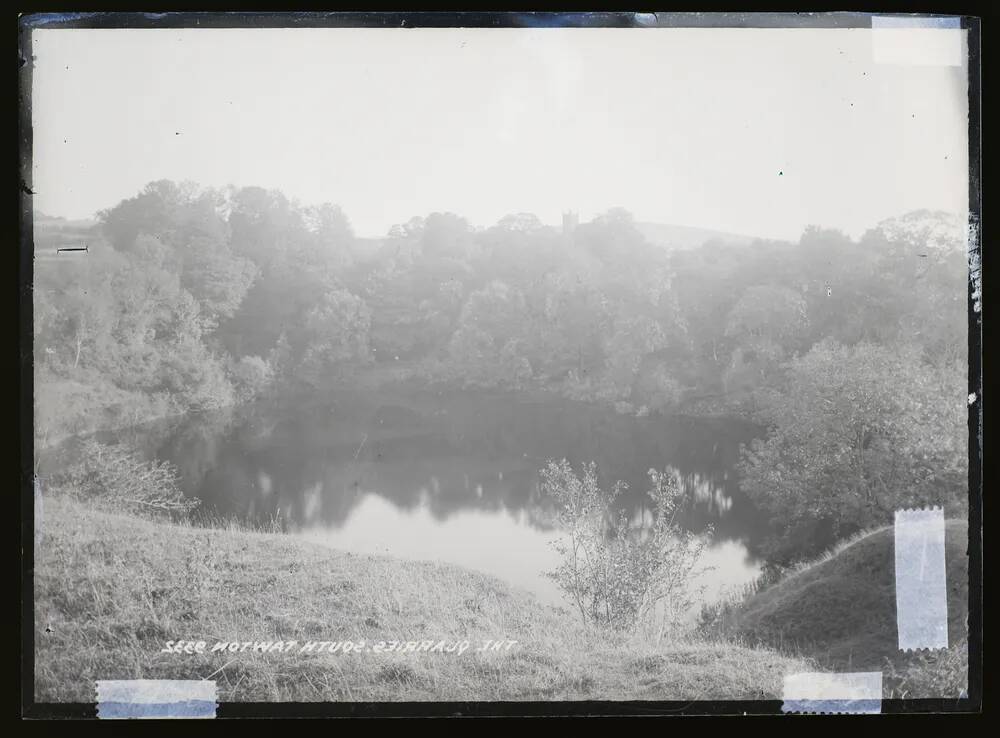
{"x": 686, "y": 237}
{"x": 841, "y": 610}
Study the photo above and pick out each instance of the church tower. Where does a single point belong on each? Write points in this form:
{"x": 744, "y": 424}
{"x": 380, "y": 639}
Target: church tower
{"x": 570, "y": 221}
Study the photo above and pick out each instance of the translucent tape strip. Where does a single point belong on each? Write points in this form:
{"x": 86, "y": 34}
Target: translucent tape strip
{"x": 916, "y": 21}
{"x": 156, "y": 698}
{"x": 921, "y": 579}
{"x": 917, "y": 41}
{"x": 852, "y": 693}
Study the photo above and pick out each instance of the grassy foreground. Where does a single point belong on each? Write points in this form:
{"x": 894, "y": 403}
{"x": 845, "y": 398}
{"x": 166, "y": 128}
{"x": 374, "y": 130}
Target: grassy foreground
{"x": 111, "y": 590}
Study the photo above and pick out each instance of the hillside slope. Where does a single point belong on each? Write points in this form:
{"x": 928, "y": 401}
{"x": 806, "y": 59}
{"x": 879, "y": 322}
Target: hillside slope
{"x": 687, "y": 237}
{"x": 841, "y": 610}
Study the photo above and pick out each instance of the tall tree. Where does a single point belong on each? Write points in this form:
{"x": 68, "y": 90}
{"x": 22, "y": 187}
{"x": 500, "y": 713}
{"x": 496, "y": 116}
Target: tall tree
{"x": 855, "y": 434}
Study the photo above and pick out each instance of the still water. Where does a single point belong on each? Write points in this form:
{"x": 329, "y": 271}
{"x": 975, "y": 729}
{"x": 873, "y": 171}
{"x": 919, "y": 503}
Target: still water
{"x": 454, "y": 476}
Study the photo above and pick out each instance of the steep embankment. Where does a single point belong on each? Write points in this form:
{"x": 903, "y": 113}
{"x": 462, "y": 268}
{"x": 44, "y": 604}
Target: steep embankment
{"x": 111, "y": 590}
{"x": 841, "y": 610}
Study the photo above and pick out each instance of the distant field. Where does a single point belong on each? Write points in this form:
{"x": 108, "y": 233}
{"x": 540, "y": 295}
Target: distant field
{"x": 52, "y": 234}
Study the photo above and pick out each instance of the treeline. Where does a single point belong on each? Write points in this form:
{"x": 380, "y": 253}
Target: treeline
{"x": 192, "y": 299}
{"x": 199, "y": 297}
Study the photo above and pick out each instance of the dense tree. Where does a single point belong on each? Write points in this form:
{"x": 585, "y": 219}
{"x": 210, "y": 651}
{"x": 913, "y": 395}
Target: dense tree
{"x": 922, "y": 258}
{"x": 446, "y": 235}
{"x": 854, "y": 434}
{"x": 487, "y": 345}
{"x": 767, "y": 311}
{"x": 413, "y": 228}
{"x": 632, "y": 338}
{"x": 520, "y": 223}
{"x": 766, "y": 324}
{"x": 577, "y": 320}
{"x": 336, "y": 333}
{"x": 217, "y": 278}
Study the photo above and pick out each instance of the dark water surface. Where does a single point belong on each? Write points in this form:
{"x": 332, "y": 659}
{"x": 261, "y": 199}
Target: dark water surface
{"x": 453, "y": 476}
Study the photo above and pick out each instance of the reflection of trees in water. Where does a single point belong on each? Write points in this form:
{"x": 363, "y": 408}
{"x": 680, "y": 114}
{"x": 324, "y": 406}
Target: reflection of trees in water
{"x": 195, "y": 445}
{"x": 706, "y": 501}
{"x": 703, "y": 489}
{"x": 445, "y": 453}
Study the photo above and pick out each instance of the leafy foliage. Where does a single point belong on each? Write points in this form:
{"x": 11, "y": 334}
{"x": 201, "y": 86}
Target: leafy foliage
{"x": 250, "y": 376}
{"x": 337, "y": 328}
{"x": 856, "y": 433}
{"x": 116, "y": 478}
{"x": 617, "y": 576}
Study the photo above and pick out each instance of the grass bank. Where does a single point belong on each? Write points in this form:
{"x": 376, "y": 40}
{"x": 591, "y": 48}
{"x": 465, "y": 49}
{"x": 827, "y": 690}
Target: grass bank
{"x": 111, "y": 590}
{"x": 840, "y": 610}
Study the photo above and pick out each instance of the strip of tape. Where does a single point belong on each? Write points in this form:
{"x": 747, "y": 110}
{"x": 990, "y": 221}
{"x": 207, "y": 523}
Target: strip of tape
{"x": 940, "y": 22}
{"x": 156, "y": 698}
{"x": 921, "y": 579}
{"x": 852, "y": 693}
{"x": 915, "y": 40}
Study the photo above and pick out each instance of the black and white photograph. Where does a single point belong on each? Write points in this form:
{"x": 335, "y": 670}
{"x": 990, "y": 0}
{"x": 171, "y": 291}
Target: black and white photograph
{"x": 540, "y": 358}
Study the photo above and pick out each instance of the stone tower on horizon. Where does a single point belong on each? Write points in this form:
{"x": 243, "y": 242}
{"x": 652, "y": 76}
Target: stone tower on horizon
{"x": 570, "y": 221}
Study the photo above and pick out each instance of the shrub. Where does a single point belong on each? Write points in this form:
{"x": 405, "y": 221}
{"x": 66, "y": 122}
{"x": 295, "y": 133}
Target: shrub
{"x": 619, "y": 577}
{"x": 115, "y": 477}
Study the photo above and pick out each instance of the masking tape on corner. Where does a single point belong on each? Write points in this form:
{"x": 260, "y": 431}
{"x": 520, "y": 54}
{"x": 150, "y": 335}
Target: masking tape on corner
{"x": 934, "y": 41}
{"x": 156, "y": 698}
{"x": 921, "y": 580}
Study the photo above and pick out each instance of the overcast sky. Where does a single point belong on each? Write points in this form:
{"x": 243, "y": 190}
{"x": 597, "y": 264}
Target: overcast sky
{"x": 753, "y": 131}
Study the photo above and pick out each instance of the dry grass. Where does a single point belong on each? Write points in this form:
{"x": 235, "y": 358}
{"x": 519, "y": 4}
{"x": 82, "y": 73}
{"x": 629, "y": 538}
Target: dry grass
{"x": 112, "y": 589}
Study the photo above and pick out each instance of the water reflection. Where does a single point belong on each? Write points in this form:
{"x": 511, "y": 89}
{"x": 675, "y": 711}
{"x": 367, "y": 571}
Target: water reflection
{"x": 503, "y": 543}
{"x": 706, "y": 491}
{"x": 454, "y": 477}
